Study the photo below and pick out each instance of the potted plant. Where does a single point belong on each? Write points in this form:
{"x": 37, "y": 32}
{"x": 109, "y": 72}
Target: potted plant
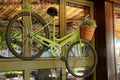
{"x": 12, "y": 74}
{"x": 87, "y": 28}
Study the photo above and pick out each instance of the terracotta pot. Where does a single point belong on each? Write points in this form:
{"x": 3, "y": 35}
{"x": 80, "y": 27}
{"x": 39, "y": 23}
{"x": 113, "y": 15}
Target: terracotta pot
{"x": 87, "y": 32}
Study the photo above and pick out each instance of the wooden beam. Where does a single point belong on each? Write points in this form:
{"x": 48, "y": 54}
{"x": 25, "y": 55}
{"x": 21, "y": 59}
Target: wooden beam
{"x": 105, "y": 40}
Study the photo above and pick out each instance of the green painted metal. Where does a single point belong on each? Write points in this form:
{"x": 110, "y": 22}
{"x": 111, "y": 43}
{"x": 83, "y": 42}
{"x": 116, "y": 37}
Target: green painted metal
{"x": 74, "y": 36}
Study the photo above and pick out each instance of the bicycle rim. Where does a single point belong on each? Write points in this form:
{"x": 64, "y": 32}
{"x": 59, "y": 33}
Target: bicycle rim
{"x": 18, "y": 39}
{"x": 81, "y": 62}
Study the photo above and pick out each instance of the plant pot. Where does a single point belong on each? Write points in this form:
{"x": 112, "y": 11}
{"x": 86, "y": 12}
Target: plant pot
{"x": 87, "y": 32}
{"x": 11, "y": 75}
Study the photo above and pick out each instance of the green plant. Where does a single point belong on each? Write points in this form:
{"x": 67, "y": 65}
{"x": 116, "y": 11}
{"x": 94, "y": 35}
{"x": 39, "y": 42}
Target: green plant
{"x": 12, "y": 74}
{"x": 2, "y": 40}
{"x": 89, "y": 22}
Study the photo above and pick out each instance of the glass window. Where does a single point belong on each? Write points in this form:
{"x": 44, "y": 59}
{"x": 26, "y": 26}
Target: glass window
{"x": 41, "y": 8}
{"x": 11, "y": 75}
{"x": 46, "y": 74}
{"x": 9, "y": 8}
{"x": 117, "y": 39}
{"x": 12, "y": 7}
{"x": 74, "y": 14}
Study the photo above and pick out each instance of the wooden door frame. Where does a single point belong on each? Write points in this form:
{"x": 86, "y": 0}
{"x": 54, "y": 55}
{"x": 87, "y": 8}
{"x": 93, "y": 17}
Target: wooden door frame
{"x": 104, "y": 38}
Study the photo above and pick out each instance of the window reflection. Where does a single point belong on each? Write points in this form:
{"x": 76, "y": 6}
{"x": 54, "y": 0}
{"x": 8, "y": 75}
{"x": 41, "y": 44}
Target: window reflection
{"x": 10, "y": 8}
{"x": 74, "y": 14}
{"x": 46, "y": 74}
{"x": 50, "y": 74}
{"x": 117, "y": 39}
{"x": 11, "y": 75}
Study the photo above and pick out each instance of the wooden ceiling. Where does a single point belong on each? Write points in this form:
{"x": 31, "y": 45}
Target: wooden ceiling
{"x": 9, "y": 8}
{"x": 117, "y": 21}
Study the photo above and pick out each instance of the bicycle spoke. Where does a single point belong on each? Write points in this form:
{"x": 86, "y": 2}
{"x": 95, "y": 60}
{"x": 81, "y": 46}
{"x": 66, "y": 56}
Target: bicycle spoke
{"x": 19, "y": 39}
{"x": 81, "y": 59}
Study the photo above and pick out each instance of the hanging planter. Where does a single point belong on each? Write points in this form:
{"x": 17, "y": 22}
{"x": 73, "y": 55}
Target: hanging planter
{"x": 87, "y": 29}
{"x": 87, "y": 33}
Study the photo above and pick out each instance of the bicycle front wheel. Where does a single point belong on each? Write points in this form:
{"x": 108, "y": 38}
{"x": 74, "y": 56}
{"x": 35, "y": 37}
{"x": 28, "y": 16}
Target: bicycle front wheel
{"x": 18, "y": 37}
{"x": 81, "y": 59}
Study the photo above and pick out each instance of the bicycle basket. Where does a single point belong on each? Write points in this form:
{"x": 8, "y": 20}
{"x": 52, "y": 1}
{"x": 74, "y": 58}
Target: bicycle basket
{"x": 87, "y": 32}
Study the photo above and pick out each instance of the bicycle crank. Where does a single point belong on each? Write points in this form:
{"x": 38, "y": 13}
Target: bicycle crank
{"x": 55, "y": 50}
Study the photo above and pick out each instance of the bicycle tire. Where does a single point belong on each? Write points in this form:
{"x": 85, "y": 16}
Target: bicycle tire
{"x": 80, "y": 67}
{"x": 15, "y": 32}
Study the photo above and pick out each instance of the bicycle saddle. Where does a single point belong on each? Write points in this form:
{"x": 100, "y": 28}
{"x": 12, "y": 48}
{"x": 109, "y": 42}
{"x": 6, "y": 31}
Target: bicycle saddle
{"x": 52, "y": 11}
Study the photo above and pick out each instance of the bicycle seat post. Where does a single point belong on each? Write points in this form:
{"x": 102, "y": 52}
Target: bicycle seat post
{"x": 52, "y": 11}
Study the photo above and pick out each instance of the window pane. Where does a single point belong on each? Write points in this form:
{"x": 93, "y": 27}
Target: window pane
{"x": 11, "y": 75}
{"x": 46, "y": 74}
{"x": 117, "y": 39}
{"x": 10, "y": 8}
{"x": 74, "y": 14}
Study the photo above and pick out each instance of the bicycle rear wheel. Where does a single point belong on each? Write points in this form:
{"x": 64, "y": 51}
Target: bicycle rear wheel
{"x": 81, "y": 59}
{"x": 18, "y": 37}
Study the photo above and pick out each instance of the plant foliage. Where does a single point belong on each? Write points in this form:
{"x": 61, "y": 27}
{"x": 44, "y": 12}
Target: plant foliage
{"x": 88, "y": 22}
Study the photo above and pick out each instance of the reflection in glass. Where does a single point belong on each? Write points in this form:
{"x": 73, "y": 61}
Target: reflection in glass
{"x": 4, "y": 51}
{"x": 117, "y": 39}
{"x": 12, "y": 8}
{"x": 46, "y": 74}
{"x": 74, "y": 14}
{"x": 11, "y": 75}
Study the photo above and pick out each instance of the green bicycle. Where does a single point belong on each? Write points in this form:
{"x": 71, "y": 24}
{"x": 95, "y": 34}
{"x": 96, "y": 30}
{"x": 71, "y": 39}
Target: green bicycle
{"x": 28, "y": 36}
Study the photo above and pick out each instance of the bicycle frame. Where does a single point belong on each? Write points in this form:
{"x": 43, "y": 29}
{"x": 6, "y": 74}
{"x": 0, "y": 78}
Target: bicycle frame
{"x": 55, "y": 42}
{"x": 28, "y": 40}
